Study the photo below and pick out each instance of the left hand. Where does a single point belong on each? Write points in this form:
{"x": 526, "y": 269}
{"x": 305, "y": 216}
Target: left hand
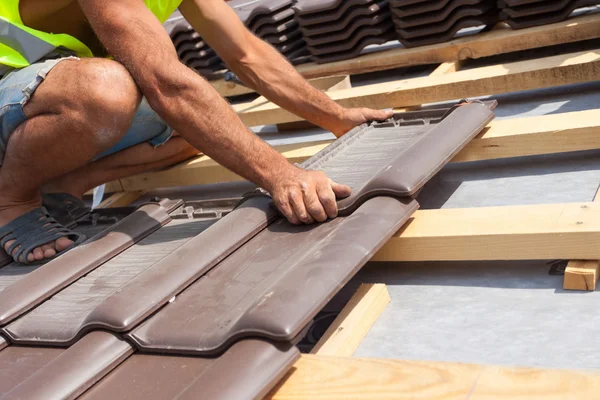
{"x": 352, "y": 117}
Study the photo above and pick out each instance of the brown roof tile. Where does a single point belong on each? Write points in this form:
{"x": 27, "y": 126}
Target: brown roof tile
{"x": 32, "y": 289}
{"x": 248, "y": 370}
{"x": 42, "y": 372}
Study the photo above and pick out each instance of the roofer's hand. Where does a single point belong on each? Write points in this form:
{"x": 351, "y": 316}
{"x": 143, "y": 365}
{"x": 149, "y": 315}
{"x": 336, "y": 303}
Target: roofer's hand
{"x": 352, "y": 117}
{"x": 308, "y": 196}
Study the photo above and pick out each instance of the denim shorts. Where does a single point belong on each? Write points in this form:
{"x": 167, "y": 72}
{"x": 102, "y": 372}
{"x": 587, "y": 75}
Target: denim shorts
{"x": 17, "y": 86}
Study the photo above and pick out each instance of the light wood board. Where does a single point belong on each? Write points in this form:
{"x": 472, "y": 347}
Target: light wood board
{"x": 496, "y": 79}
{"x": 228, "y": 89}
{"x": 337, "y": 378}
{"x": 121, "y": 199}
{"x": 581, "y": 274}
{"x": 531, "y": 232}
{"x": 506, "y": 138}
{"x": 344, "y": 335}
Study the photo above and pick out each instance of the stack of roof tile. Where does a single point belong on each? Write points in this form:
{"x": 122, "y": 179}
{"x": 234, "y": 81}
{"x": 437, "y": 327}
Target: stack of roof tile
{"x": 422, "y": 22}
{"x": 527, "y": 13}
{"x": 273, "y": 21}
{"x": 172, "y": 303}
{"x": 194, "y": 52}
{"x": 338, "y": 30}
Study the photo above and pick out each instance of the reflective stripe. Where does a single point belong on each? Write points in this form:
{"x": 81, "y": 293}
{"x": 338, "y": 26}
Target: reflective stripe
{"x": 27, "y": 45}
{"x": 21, "y": 46}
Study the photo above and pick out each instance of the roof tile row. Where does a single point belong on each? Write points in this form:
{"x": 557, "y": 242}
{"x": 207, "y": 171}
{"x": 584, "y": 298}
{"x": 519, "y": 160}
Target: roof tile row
{"x": 225, "y": 300}
{"x": 521, "y": 14}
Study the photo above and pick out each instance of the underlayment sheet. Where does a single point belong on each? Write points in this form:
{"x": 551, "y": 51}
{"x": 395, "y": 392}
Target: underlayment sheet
{"x": 40, "y": 373}
{"x": 22, "y": 292}
{"x": 73, "y": 311}
{"x": 273, "y": 285}
{"x": 248, "y": 370}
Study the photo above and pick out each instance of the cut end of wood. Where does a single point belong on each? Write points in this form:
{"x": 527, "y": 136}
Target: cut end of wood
{"x": 581, "y": 275}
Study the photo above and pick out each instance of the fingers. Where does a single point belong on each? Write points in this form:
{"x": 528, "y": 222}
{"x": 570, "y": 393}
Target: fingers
{"x": 377, "y": 115}
{"x": 327, "y": 199}
{"x": 313, "y": 202}
{"x": 283, "y": 205}
{"x": 341, "y": 191}
{"x": 309, "y": 197}
{"x": 297, "y": 202}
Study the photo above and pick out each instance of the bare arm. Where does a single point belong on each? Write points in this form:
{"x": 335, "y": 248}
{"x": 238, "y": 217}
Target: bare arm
{"x": 193, "y": 108}
{"x": 263, "y": 69}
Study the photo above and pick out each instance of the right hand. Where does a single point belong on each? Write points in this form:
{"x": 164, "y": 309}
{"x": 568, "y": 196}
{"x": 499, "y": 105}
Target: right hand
{"x": 307, "y": 196}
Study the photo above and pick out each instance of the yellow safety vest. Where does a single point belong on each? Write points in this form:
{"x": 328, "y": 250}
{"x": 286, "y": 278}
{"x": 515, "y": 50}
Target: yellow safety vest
{"x": 21, "y": 46}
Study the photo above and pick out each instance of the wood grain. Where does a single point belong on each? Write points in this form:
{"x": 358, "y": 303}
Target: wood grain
{"x": 322, "y": 377}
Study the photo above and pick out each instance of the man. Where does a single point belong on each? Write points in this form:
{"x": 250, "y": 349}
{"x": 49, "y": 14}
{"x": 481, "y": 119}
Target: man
{"x": 70, "y": 123}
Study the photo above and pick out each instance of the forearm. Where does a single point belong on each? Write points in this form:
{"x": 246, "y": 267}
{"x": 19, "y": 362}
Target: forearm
{"x": 269, "y": 73}
{"x": 197, "y": 112}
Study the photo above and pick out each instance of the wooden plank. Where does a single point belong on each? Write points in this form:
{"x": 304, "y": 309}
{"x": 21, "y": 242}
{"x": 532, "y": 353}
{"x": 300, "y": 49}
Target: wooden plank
{"x": 121, "y": 199}
{"x": 496, "y": 79}
{"x": 581, "y": 274}
{"x": 531, "y": 232}
{"x": 443, "y": 68}
{"x": 351, "y": 326}
{"x": 447, "y": 67}
{"x": 507, "y": 138}
{"x": 324, "y": 377}
{"x": 498, "y": 41}
{"x": 547, "y": 134}
{"x": 228, "y": 89}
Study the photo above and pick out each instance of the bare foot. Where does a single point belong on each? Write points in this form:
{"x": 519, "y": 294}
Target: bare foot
{"x": 10, "y": 212}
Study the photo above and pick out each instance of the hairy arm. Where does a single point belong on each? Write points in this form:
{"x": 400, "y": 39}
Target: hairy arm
{"x": 265, "y": 70}
{"x": 195, "y": 110}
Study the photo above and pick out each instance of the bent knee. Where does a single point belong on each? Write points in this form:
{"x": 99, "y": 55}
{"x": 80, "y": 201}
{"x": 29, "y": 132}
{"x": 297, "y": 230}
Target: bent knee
{"x": 108, "y": 90}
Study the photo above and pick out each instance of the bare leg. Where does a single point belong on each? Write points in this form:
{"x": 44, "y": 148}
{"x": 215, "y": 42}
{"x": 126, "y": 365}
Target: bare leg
{"x": 81, "y": 109}
{"x": 134, "y": 160}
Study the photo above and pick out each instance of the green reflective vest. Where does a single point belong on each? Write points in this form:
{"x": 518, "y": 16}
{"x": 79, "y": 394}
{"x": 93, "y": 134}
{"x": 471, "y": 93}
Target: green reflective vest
{"x": 21, "y": 46}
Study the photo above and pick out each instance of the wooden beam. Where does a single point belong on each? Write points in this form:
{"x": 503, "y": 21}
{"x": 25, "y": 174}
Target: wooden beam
{"x": 507, "y": 138}
{"x": 581, "y": 274}
{"x": 351, "y": 326}
{"x": 121, "y": 199}
{"x": 228, "y": 89}
{"x": 447, "y": 67}
{"x": 496, "y": 79}
{"x": 324, "y": 377}
{"x": 498, "y": 41}
{"x": 531, "y": 232}
{"x": 442, "y": 69}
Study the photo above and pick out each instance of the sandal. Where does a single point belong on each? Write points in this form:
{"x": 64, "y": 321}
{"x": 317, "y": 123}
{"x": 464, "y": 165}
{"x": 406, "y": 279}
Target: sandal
{"x": 64, "y": 208}
{"x": 35, "y": 229}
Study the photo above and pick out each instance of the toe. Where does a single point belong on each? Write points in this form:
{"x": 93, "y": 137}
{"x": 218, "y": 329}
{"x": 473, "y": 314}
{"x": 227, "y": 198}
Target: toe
{"x": 62, "y": 244}
{"x": 7, "y": 246}
{"x": 30, "y": 257}
{"x": 48, "y": 250}
{"x": 38, "y": 253}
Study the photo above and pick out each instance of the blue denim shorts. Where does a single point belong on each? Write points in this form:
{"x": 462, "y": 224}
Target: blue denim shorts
{"x": 16, "y": 89}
